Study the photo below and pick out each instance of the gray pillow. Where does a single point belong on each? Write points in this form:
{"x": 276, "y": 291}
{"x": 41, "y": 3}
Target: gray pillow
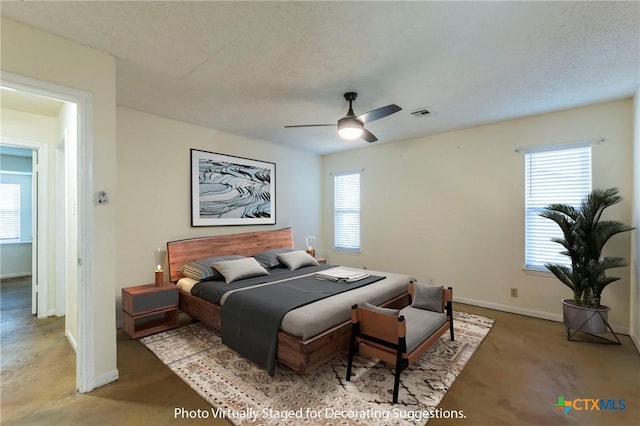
{"x": 381, "y": 310}
{"x": 427, "y": 297}
{"x": 201, "y": 269}
{"x": 233, "y": 270}
{"x": 269, "y": 258}
{"x": 297, "y": 259}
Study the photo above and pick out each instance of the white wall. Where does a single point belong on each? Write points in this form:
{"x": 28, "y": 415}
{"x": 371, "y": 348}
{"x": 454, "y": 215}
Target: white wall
{"x": 15, "y": 260}
{"x": 66, "y": 206}
{"x": 154, "y": 188}
{"x": 635, "y": 248}
{"x": 450, "y": 207}
{"x": 43, "y": 56}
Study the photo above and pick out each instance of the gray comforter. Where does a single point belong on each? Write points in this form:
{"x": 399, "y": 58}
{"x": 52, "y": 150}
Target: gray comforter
{"x": 251, "y": 317}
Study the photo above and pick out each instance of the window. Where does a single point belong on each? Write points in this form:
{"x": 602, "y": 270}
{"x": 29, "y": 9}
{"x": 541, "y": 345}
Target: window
{"x": 552, "y": 175}
{"x": 9, "y": 211}
{"x": 346, "y": 212}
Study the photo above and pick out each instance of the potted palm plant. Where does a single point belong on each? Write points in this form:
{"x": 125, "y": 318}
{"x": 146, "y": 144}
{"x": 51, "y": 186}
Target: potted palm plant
{"x": 585, "y": 234}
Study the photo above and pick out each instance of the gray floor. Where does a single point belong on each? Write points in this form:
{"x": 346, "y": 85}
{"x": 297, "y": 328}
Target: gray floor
{"x": 514, "y": 378}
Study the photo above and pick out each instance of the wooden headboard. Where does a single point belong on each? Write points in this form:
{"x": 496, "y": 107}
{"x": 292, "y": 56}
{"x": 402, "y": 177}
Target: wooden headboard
{"x": 244, "y": 244}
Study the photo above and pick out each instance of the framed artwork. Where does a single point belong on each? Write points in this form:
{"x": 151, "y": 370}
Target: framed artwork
{"x": 228, "y": 190}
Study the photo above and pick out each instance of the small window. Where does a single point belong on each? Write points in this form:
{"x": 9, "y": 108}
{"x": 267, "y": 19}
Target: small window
{"x": 552, "y": 175}
{"x": 9, "y": 211}
{"x": 346, "y": 212}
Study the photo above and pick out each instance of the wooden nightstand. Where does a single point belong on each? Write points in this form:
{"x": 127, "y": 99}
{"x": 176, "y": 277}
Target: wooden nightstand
{"x": 148, "y": 309}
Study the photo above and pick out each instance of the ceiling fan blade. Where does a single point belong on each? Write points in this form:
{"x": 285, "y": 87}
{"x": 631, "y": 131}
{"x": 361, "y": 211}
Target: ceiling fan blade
{"x": 378, "y": 113}
{"x": 311, "y": 125}
{"x": 368, "y": 136}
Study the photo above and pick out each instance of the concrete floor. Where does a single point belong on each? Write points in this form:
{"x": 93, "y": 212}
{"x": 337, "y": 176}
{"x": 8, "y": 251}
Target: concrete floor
{"x": 514, "y": 378}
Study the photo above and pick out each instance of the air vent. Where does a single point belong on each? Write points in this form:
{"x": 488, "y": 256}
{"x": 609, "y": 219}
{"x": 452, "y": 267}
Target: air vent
{"x": 421, "y": 112}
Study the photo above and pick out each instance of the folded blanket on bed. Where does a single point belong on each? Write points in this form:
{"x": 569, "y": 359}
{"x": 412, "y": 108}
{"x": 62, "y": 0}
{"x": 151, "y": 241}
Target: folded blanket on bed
{"x": 251, "y": 317}
{"x": 341, "y": 274}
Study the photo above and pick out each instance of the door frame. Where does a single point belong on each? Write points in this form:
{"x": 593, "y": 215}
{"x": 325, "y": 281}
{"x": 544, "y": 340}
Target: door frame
{"x": 85, "y": 349}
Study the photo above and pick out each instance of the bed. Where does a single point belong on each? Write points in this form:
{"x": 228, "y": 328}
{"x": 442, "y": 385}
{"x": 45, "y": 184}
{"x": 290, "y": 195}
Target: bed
{"x": 309, "y": 335}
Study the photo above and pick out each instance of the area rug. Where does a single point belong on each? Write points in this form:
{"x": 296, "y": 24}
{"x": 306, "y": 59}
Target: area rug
{"x": 245, "y": 394}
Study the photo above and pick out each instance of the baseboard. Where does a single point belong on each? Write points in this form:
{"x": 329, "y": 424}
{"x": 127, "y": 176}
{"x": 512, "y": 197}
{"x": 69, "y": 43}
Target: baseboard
{"x": 527, "y": 312}
{"x": 71, "y": 340}
{"x": 636, "y": 341}
{"x": 106, "y": 378}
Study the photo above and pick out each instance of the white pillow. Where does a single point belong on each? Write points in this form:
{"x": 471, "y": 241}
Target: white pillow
{"x": 233, "y": 270}
{"x": 297, "y": 259}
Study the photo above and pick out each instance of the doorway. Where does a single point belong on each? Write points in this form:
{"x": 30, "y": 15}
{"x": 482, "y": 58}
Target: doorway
{"x": 18, "y": 202}
{"x": 65, "y": 222}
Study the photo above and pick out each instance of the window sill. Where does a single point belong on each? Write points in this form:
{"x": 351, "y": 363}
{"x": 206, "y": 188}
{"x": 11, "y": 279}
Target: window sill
{"x": 340, "y": 251}
{"x": 14, "y": 243}
{"x": 538, "y": 272}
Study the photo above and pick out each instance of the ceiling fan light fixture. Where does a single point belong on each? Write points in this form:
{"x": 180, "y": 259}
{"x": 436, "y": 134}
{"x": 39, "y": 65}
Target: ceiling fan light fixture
{"x": 350, "y": 128}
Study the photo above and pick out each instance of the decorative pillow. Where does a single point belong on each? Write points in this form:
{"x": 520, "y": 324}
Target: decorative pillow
{"x": 201, "y": 269}
{"x": 233, "y": 270}
{"x": 296, "y": 259}
{"x": 427, "y": 297}
{"x": 381, "y": 310}
{"x": 269, "y": 258}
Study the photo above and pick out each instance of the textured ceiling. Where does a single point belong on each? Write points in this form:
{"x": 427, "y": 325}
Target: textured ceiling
{"x": 250, "y": 68}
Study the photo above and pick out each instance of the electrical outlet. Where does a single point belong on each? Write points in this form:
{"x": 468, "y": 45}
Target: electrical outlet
{"x": 514, "y": 292}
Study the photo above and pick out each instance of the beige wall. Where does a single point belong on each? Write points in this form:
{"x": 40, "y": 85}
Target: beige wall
{"x": 154, "y": 188}
{"x": 29, "y": 127}
{"x": 40, "y": 55}
{"x": 450, "y": 208}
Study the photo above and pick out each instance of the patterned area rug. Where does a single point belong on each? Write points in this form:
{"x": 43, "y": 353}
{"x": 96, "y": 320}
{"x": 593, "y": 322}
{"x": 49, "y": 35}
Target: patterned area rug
{"x": 245, "y": 394}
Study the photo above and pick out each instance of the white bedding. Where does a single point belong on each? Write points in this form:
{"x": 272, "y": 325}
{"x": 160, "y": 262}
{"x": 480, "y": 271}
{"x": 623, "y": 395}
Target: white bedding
{"x": 310, "y": 320}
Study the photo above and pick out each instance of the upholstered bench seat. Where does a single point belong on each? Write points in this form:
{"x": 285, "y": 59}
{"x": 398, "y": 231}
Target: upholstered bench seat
{"x": 401, "y": 337}
{"x": 420, "y": 325}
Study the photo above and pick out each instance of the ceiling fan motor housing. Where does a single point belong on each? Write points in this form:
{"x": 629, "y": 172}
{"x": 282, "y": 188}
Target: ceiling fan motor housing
{"x": 350, "y": 96}
{"x": 350, "y": 127}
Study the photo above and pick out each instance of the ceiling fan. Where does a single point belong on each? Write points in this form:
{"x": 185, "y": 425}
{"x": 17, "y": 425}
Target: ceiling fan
{"x": 352, "y": 127}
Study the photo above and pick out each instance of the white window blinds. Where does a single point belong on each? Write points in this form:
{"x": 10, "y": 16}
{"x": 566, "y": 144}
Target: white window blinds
{"x": 9, "y": 211}
{"x": 346, "y": 212}
{"x": 553, "y": 175}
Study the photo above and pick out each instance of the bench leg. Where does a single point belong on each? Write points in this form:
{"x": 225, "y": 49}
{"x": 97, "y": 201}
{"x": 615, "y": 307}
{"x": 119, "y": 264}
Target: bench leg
{"x": 450, "y": 315}
{"x": 350, "y": 364}
{"x": 353, "y": 348}
{"x": 451, "y": 329}
{"x": 396, "y": 383}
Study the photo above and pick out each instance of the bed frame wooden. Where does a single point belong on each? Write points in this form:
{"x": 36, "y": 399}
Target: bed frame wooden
{"x": 302, "y": 356}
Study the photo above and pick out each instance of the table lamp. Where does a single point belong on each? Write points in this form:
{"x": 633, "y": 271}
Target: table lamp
{"x": 159, "y": 259}
{"x": 311, "y": 244}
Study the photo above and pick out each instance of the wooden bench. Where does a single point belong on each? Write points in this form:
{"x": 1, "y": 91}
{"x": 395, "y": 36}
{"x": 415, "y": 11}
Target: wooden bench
{"x": 398, "y": 338}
